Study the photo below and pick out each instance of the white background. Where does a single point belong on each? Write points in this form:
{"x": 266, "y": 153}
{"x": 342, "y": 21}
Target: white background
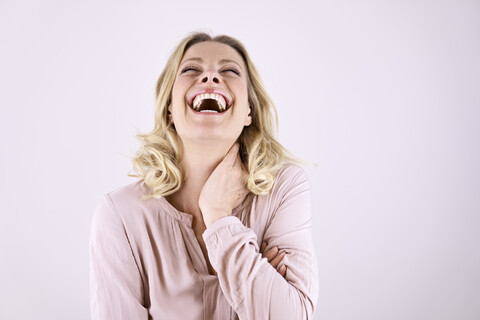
{"x": 383, "y": 95}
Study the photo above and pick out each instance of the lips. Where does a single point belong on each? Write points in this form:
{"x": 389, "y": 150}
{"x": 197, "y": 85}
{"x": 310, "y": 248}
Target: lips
{"x": 224, "y": 102}
{"x": 209, "y": 101}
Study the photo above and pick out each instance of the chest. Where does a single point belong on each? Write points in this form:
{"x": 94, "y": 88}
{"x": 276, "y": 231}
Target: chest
{"x": 198, "y": 228}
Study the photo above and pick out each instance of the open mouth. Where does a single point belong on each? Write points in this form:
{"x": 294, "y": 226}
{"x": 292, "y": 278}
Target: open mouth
{"x": 209, "y": 103}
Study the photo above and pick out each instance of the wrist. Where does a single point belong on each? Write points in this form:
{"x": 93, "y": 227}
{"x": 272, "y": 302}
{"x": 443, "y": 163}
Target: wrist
{"x": 210, "y": 215}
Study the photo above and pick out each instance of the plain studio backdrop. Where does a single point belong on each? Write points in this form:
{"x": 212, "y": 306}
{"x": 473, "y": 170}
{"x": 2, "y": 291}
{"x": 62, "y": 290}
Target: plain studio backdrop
{"x": 383, "y": 95}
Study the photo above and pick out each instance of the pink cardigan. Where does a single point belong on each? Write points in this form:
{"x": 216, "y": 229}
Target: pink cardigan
{"x": 145, "y": 262}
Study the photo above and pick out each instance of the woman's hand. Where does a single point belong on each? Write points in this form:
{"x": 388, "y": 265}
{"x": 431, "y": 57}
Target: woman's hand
{"x": 225, "y": 189}
{"x": 274, "y": 257}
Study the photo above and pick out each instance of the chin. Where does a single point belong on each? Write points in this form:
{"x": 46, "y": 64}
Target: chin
{"x": 210, "y": 134}
{"x": 213, "y": 139}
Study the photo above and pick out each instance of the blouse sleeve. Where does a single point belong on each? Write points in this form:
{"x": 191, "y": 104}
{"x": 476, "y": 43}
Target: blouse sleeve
{"x": 116, "y": 290}
{"x": 255, "y": 289}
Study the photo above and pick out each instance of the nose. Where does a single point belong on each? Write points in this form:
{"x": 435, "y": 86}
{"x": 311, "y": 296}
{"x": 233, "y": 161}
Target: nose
{"x": 214, "y": 79}
{"x": 210, "y": 76}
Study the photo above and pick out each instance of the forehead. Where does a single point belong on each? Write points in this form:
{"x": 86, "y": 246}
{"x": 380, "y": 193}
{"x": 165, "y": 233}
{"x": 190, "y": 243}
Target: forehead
{"x": 210, "y": 51}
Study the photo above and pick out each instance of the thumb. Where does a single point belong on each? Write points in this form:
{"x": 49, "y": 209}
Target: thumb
{"x": 231, "y": 155}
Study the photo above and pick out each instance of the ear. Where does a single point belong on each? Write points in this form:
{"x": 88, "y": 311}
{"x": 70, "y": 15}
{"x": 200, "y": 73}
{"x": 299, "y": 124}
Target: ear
{"x": 169, "y": 115}
{"x": 248, "y": 118}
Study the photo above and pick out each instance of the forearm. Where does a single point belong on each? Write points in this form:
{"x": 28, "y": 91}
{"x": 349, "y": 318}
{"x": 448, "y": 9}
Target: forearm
{"x": 252, "y": 286}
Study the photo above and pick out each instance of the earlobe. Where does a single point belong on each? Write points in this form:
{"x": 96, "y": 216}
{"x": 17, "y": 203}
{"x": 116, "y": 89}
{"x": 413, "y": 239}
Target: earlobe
{"x": 248, "y": 119}
{"x": 169, "y": 115}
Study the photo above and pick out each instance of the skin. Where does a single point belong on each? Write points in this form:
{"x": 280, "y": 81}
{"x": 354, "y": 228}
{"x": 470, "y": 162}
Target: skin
{"x": 215, "y": 178}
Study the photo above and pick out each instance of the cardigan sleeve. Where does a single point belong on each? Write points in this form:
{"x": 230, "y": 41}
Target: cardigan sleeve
{"x": 116, "y": 290}
{"x": 255, "y": 289}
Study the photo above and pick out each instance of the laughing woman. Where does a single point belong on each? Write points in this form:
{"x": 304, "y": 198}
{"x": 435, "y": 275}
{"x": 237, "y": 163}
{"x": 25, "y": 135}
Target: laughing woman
{"x": 218, "y": 226}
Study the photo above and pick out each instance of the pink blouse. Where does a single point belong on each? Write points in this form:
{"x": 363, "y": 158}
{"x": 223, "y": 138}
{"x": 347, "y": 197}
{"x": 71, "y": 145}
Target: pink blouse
{"x": 145, "y": 262}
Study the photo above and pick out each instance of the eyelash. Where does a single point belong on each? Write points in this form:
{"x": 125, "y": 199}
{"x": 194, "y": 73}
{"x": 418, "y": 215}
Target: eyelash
{"x": 188, "y": 69}
{"x": 195, "y": 69}
{"x": 233, "y": 70}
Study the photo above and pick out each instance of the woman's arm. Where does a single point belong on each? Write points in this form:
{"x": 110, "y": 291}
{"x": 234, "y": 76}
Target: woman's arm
{"x": 116, "y": 290}
{"x": 251, "y": 285}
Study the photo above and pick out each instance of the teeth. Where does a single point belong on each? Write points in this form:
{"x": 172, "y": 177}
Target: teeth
{"x": 209, "y": 111}
{"x": 196, "y": 102}
{"x": 220, "y": 99}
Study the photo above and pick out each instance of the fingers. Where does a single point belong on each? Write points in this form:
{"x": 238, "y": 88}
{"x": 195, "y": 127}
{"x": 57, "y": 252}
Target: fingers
{"x": 274, "y": 258}
{"x": 233, "y": 161}
{"x": 231, "y": 155}
{"x": 283, "y": 271}
{"x": 237, "y": 161}
{"x": 275, "y": 261}
{"x": 262, "y": 248}
{"x": 271, "y": 253}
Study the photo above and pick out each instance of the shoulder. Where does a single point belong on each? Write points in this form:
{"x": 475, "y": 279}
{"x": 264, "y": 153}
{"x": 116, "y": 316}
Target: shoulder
{"x": 125, "y": 202}
{"x": 291, "y": 185}
{"x": 130, "y": 196}
{"x": 290, "y": 176}
{"x": 290, "y": 170}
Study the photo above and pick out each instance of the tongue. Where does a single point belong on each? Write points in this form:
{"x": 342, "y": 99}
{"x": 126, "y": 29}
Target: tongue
{"x": 209, "y": 104}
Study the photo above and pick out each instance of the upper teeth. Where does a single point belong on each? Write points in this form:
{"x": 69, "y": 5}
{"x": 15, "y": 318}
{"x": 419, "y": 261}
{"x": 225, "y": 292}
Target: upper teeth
{"x": 199, "y": 98}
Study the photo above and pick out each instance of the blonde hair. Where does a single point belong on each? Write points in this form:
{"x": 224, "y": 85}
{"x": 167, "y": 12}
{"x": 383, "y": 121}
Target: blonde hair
{"x": 157, "y": 160}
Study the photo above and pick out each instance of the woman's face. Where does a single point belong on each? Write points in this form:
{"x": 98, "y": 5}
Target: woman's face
{"x": 211, "y": 75}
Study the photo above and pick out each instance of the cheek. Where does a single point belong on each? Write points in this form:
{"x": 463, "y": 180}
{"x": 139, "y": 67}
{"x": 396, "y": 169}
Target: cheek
{"x": 177, "y": 112}
{"x": 242, "y": 95}
{"x": 178, "y": 90}
{"x": 178, "y": 101}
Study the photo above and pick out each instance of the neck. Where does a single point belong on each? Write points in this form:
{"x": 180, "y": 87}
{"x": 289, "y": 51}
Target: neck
{"x": 198, "y": 162}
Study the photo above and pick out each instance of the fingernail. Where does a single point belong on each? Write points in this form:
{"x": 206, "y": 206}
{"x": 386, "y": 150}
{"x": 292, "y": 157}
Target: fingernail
{"x": 283, "y": 253}
{"x": 283, "y": 267}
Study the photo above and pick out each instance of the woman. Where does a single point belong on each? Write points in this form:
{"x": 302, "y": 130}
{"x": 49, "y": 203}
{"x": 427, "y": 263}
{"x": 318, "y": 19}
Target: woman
{"x": 219, "y": 224}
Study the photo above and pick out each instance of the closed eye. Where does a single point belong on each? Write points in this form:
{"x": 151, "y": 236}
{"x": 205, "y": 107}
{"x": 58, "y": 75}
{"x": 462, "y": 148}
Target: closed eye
{"x": 232, "y": 70}
{"x": 186, "y": 69}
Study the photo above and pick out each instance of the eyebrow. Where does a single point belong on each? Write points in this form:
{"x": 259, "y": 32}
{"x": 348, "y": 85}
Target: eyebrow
{"x": 222, "y": 61}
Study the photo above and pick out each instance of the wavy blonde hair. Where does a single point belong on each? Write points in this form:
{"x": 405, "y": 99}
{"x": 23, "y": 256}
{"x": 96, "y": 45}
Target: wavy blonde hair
{"x": 157, "y": 160}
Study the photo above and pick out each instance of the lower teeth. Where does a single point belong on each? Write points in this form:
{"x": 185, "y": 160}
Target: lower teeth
{"x": 208, "y": 105}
